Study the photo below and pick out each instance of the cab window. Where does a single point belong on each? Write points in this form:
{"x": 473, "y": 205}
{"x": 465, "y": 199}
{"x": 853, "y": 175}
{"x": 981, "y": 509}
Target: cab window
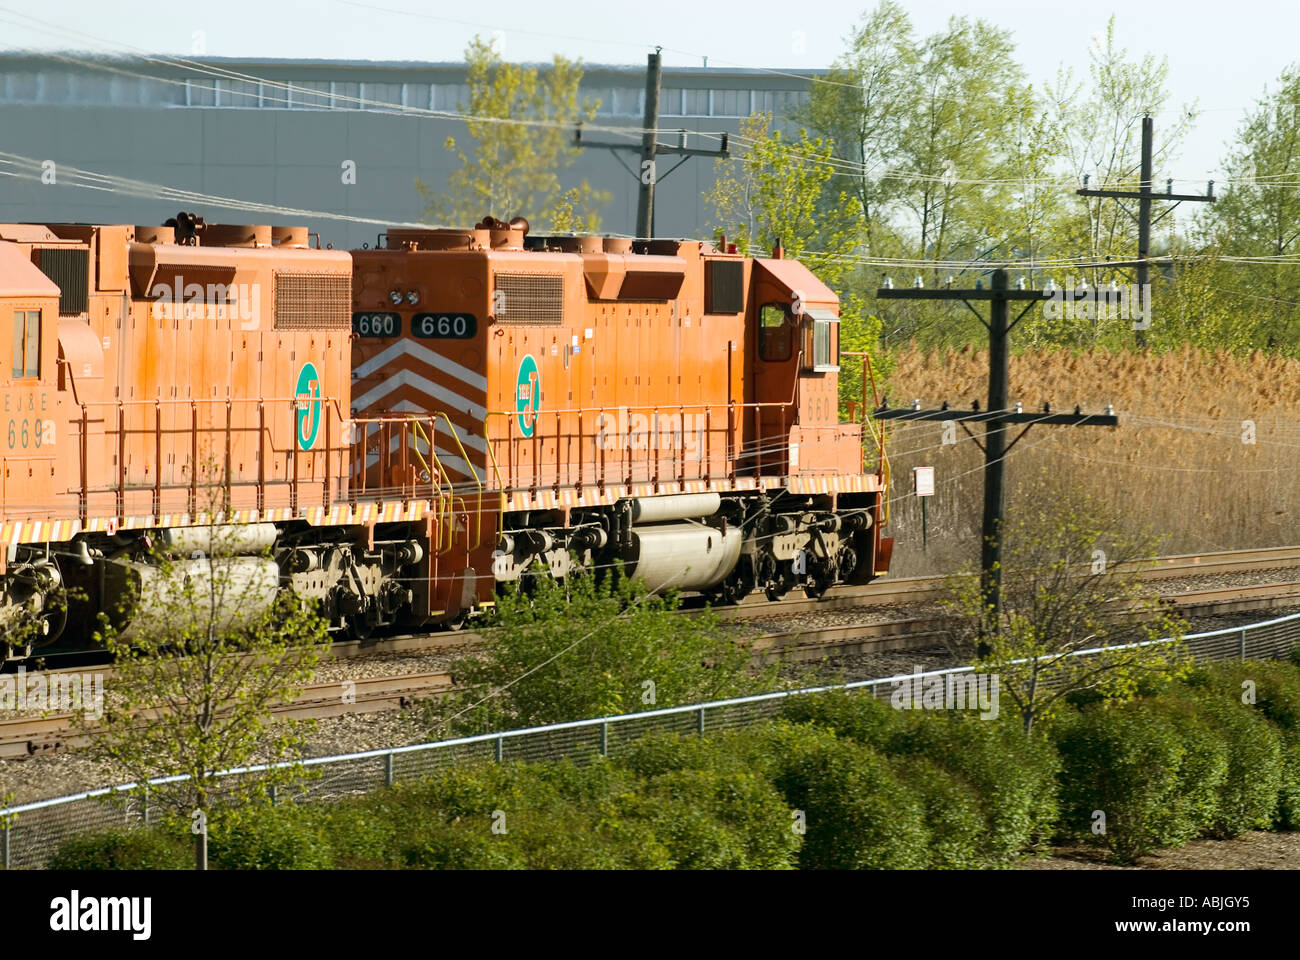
{"x": 775, "y": 333}
{"x": 821, "y": 350}
{"x": 27, "y": 344}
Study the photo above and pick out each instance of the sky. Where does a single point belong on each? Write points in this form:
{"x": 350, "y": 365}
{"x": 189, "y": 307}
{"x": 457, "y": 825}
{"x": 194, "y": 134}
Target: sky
{"x": 1220, "y": 58}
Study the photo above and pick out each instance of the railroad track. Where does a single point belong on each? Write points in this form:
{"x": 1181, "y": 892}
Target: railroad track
{"x": 904, "y": 590}
{"x": 28, "y": 736}
{"x": 25, "y": 736}
{"x": 911, "y": 633}
{"x": 920, "y": 589}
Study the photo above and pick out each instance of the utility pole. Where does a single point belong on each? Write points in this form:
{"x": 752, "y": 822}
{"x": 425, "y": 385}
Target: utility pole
{"x": 1144, "y": 196}
{"x": 996, "y": 418}
{"x": 651, "y": 149}
{"x": 645, "y": 204}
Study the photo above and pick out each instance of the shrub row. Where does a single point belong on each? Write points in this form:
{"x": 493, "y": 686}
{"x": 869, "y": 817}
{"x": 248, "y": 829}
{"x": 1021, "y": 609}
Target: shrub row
{"x": 1214, "y": 756}
{"x": 841, "y": 781}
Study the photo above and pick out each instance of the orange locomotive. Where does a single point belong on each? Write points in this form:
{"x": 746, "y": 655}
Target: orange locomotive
{"x": 397, "y": 432}
{"x": 166, "y": 380}
{"x": 659, "y": 405}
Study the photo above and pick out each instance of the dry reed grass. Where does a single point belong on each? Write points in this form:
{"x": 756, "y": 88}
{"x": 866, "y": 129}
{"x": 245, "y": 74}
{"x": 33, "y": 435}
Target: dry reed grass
{"x": 1176, "y": 466}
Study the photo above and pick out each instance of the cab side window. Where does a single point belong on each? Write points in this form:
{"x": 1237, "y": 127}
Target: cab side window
{"x": 821, "y": 349}
{"x": 775, "y": 333}
{"x": 27, "y": 344}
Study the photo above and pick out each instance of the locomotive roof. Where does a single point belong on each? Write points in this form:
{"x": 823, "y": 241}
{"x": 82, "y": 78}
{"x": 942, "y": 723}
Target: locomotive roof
{"x": 19, "y": 277}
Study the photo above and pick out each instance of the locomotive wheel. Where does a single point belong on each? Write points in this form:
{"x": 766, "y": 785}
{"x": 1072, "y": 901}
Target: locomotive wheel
{"x": 847, "y": 561}
{"x": 821, "y": 576}
{"x": 51, "y": 623}
{"x": 729, "y": 593}
{"x": 782, "y": 583}
{"x": 361, "y": 626}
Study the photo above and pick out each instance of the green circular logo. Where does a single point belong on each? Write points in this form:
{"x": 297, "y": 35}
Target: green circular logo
{"x": 308, "y": 389}
{"x": 528, "y": 394}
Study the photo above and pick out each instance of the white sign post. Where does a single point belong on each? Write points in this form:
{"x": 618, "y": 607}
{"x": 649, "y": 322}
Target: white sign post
{"x": 923, "y": 483}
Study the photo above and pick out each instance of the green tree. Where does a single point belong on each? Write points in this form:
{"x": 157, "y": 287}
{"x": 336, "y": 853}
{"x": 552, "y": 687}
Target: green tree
{"x": 1198, "y": 303}
{"x": 521, "y": 122}
{"x": 1067, "y": 585}
{"x": 933, "y": 137}
{"x": 782, "y": 189}
{"x": 857, "y": 109}
{"x": 1258, "y": 216}
{"x": 785, "y": 190}
{"x": 583, "y": 648}
{"x": 1099, "y": 136}
{"x": 954, "y": 144}
{"x": 200, "y": 659}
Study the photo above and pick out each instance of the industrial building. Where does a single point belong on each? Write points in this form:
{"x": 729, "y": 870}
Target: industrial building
{"x": 279, "y": 132}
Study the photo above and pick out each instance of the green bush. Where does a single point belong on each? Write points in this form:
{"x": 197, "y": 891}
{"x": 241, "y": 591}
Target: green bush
{"x": 663, "y": 752}
{"x": 1124, "y": 761}
{"x": 720, "y": 820}
{"x": 1287, "y": 814}
{"x": 858, "y": 814}
{"x": 1248, "y": 795}
{"x": 1202, "y": 769}
{"x": 640, "y": 638}
{"x": 1012, "y": 774}
{"x": 952, "y": 814}
{"x": 360, "y": 836}
{"x": 1276, "y": 689}
{"x": 554, "y": 816}
{"x": 857, "y": 716}
{"x": 283, "y": 837}
{"x": 126, "y": 849}
{"x": 458, "y": 846}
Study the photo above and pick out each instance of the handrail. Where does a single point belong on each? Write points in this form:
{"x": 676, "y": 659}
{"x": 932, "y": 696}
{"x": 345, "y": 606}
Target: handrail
{"x": 496, "y": 468}
{"x": 478, "y": 535}
{"x": 71, "y": 378}
{"x": 436, "y": 476}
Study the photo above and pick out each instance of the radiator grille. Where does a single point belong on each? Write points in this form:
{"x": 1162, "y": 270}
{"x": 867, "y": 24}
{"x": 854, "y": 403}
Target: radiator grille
{"x": 313, "y": 301}
{"x": 726, "y": 286}
{"x": 529, "y": 298}
{"x": 70, "y": 269}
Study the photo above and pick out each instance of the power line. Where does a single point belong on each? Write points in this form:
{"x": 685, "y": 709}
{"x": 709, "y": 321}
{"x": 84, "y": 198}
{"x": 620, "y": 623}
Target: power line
{"x": 996, "y": 418}
{"x": 1144, "y": 197}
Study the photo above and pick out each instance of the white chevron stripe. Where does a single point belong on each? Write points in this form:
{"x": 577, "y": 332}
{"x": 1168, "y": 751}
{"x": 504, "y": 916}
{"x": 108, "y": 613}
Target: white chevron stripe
{"x": 408, "y": 377}
{"x": 449, "y": 460}
{"x": 420, "y": 352}
{"x": 471, "y": 440}
{"x": 450, "y": 463}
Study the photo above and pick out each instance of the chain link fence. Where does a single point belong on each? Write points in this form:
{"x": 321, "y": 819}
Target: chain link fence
{"x": 32, "y": 832}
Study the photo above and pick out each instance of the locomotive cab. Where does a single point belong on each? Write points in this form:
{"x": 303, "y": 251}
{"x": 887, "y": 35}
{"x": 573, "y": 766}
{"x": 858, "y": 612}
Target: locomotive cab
{"x": 29, "y": 311}
{"x": 794, "y": 323}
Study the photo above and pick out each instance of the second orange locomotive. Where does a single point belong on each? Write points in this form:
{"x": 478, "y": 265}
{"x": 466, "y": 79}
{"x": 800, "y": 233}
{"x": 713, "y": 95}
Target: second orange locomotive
{"x": 661, "y": 405}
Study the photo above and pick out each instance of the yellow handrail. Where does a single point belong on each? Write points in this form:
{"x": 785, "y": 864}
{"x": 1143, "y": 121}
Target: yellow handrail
{"x": 478, "y": 514}
{"x": 496, "y": 468}
{"x": 445, "y": 504}
{"x": 417, "y": 435}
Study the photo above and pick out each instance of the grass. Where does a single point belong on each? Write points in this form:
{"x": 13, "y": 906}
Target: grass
{"x": 1176, "y": 464}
